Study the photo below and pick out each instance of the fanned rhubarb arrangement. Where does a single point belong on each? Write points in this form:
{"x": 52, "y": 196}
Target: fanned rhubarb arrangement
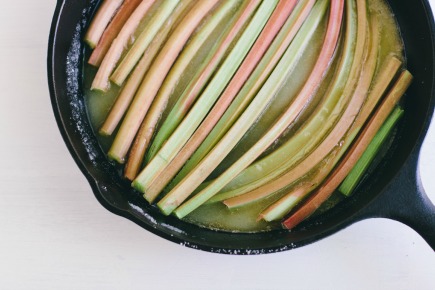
{"x": 264, "y": 106}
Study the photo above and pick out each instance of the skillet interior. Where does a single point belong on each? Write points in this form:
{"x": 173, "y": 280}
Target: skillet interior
{"x": 65, "y": 65}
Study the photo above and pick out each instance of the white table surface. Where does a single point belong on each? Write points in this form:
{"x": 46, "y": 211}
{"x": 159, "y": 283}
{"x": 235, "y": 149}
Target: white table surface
{"x": 55, "y": 235}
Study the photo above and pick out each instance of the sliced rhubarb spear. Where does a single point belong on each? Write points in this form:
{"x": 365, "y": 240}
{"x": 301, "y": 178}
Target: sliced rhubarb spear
{"x": 320, "y": 122}
{"x": 323, "y": 150}
{"x": 312, "y": 84}
{"x": 112, "y": 31}
{"x": 355, "y": 152}
{"x": 254, "y": 110}
{"x": 155, "y": 77}
{"x": 198, "y": 82}
{"x": 101, "y": 20}
{"x": 128, "y": 91}
{"x": 284, "y": 205}
{"x": 141, "y": 43}
{"x": 257, "y": 51}
{"x": 281, "y": 207}
{"x": 253, "y": 84}
{"x": 357, "y": 173}
{"x": 330, "y": 143}
{"x": 101, "y": 80}
{"x": 146, "y": 130}
{"x": 206, "y": 100}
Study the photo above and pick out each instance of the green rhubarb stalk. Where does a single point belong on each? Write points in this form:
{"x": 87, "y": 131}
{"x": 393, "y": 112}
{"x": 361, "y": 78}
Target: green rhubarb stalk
{"x": 334, "y": 140}
{"x": 320, "y": 122}
{"x": 322, "y": 151}
{"x": 279, "y": 209}
{"x": 370, "y": 153}
{"x": 284, "y": 205}
{"x": 253, "y": 84}
{"x": 129, "y": 89}
{"x": 112, "y": 31}
{"x": 286, "y": 65}
{"x": 155, "y": 77}
{"x": 101, "y": 81}
{"x": 355, "y": 152}
{"x": 295, "y": 109}
{"x": 206, "y": 100}
{"x": 100, "y": 21}
{"x": 199, "y": 81}
{"x": 143, "y": 41}
{"x": 344, "y": 124}
{"x": 256, "y": 53}
{"x": 146, "y": 131}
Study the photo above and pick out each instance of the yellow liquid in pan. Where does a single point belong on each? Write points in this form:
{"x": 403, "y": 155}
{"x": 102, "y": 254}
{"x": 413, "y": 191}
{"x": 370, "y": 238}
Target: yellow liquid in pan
{"x": 217, "y": 216}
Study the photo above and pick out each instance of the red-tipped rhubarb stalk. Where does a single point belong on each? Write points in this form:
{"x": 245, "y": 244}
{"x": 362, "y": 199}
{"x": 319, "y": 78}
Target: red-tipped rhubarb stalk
{"x": 155, "y": 77}
{"x": 276, "y": 21}
{"x": 355, "y": 152}
{"x": 206, "y": 100}
{"x": 334, "y": 138}
{"x": 284, "y": 205}
{"x": 100, "y": 21}
{"x": 112, "y": 31}
{"x": 320, "y": 122}
{"x": 321, "y": 67}
{"x": 257, "y": 106}
{"x": 358, "y": 171}
{"x": 249, "y": 90}
{"x": 101, "y": 81}
{"x": 142, "y": 42}
{"x": 128, "y": 91}
{"x": 199, "y": 81}
{"x": 146, "y": 130}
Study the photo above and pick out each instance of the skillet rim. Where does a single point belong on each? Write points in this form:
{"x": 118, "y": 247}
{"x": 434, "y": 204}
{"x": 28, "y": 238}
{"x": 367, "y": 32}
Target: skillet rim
{"x": 127, "y": 212}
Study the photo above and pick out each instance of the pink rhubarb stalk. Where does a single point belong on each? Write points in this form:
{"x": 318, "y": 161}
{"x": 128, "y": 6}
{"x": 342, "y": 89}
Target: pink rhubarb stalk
{"x": 249, "y": 90}
{"x": 101, "y": 81}
{"x": 210, "y": 162}
{"x": 199, "y": 81}
{"x": 155, "y": 77}
{"x": 112, "y": 31}
{"x": 330, "y": 141}
{"x": 157, "y": 108}
{"x": 355, "y": 152}
{"x": 101, "y": 20}
{"x": 276, "y": 21}
{"x": 128, "y": 91}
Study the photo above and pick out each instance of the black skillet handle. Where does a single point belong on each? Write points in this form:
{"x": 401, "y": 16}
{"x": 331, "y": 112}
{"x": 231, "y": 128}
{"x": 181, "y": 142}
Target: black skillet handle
{"x": 405, "y": 200}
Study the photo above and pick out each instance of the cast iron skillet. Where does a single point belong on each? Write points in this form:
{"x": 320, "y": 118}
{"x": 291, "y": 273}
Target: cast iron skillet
{"x": 392, "y": 191}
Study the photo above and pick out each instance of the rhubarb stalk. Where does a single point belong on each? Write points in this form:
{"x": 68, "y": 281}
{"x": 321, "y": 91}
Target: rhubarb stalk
{"x": 100, "y": 21}
{"x": 257, "y": 106}
{"x": 355, "y": 152}
{"x": 198, "y": 82}
{"x": 320, "y": 122}
{"x": 206, "y": 100}
{"x": 155, "y": 77}
{"x": 334, "y": 138}
{"x": 101, "y": 81}
{"x": 249, "y": 90}
{"x": 354, "y": 177}
{"x": 297, "y": 106}
{"x": 146, "y": 130}
{"x": 266, "y": 37}
{"x": 327, "y": 147}
{"x": 128, "y": 91}
{"x": 112, "y": 31}
{"x": 142, "y": 42}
